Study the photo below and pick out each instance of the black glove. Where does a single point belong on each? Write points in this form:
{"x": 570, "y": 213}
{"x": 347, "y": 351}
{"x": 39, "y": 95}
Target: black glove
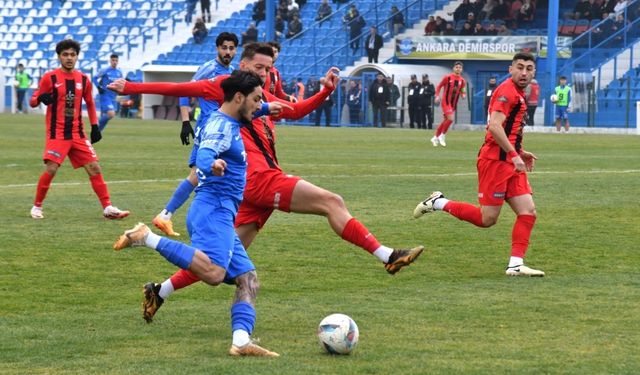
{"x": 96, "y": 136}
{"x": 45, "y": 98}
{"x": 186, "y": 130}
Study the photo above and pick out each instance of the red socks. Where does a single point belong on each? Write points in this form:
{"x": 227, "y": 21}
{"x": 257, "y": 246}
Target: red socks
{"x": 100, "y": 188}
{"x": 359, "y": 235}
{"x": 183, "y": 278}
{"x": 43, "y": 187}
{"x": 443, "y": 127}
{"x": 465, "y": 211}
{"x": 521, "y": 234}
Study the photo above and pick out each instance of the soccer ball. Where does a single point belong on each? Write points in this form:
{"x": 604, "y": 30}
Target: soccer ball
{"x": 554, "y": 98}
{"x": 338, "y": 334}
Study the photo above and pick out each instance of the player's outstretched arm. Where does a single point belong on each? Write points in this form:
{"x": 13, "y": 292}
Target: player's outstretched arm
{"x": 200, "y": 89}
{"x": 303, "y": 108}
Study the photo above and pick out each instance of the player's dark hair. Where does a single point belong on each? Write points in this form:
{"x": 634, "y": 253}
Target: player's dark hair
{"x": 275, "y": 44}
{"x": 458, "y": 63}
{"x": 563, "y": 77}
{"x": 66, "y": 44}
{"x": 114, "y": 56}
{"x": 252, "y": 49}
{"x": 525, "y": 56}
{"x": 226, "y": 37}
{"x": 240, "y": 81}
{"x": 20, "y": 65}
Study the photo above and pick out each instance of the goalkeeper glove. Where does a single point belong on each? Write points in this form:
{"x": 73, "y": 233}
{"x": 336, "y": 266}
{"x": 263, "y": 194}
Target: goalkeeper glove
{"x": 96, "y": 136}
{"x": 186, "y": 130}
{"x": 45, "y": 98}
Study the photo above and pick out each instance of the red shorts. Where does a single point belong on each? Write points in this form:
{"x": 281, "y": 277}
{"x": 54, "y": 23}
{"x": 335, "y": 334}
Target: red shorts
{"x": 266, "y": 191}
{"x": 497, "y": 181}
{"x": 447, "y": 110}
{"x": 80, "y": 151}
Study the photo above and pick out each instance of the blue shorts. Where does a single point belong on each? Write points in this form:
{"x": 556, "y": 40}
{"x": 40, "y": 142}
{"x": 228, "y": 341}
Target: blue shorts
{"x": 107, "y": 103}
{"x": 210, "y": 226}
{"x": 561, "y": 112}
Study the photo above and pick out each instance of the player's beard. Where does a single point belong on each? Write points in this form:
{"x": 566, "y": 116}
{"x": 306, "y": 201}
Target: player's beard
{"x": 226, "y": 59}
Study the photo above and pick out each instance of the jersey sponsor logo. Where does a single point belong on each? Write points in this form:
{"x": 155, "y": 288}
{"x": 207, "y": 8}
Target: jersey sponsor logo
{"x": 54, "y": 153}
{"x": 502, "y": 99}
{"x": 78, "y": 86}
{"x": 57, "y": 85}
{"x": 499, "y": 195}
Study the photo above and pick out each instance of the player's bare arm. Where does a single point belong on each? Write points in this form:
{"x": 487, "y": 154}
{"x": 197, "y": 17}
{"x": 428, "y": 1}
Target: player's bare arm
{"x": 497, "y": 131}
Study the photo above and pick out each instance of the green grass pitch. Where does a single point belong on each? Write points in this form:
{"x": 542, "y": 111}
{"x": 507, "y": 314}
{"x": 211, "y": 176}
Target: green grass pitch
{"x": 69, "y": 304}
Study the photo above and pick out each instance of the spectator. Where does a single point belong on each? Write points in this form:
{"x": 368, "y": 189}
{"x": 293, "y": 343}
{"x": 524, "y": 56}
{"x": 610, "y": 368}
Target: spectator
{"x": 500, "y": 11}
{"x": 380, "y": 98}
{"x": 325, "y": 107}
{"x": 279, "y": 26}
{"x": 471, "y": 18}
{"x": 324, "y": 11}
{"x": 504, "y": 31}
{"x": 582, "y": 10}
{"x": 619, "y": 8}
{"x": 449, "y": 30}
{"x": 607, "y": 6}
{"x": 292, "y": 10}
{"x": 395, "y": 95}
{"x": 299, "y": 90}
{"x": 526, "y": 12}
{"x": 532, "y": 95}
{"x": 476, "y": 7}
{"x": 427, "y": 91}
{"x": 312, "y": 87}
{"x": 487, "y": 9}
{"x": 430, "y": 27}
{"x": 205, "y": 7}
{"x": 491, "y": 87}
{"x": 353, "y": 102}
{"x": 479, "y": 30}
{"x": 397, "y": 21}
{"x": 372, "y": 44}
{"x": 354, "y": 21}
{"x": 294, "y": 27}
{"x": 462, "y": 10}
{"x": 492, "y": 29}
{"x": 199, "y": 31}
{"x": 466, "y": 29}
{"x": 441, "y": 26}
{"x": 258, "y": 12}
{"x": 413, "y": 99}
{"x": 191, "y": 7}
{"x": 251, "y": 35}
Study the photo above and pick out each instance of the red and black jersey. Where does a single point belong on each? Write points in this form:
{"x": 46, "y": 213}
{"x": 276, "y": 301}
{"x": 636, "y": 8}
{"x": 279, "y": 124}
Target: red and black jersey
{"x": 259, "y": 137}
{"x": 64, "y": 114}
{"x": 508, "y": 99}
{"x": 453, "y": 85}
{"x": 273, "y": 84}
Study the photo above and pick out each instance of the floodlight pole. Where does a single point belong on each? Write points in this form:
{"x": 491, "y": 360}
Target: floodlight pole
{"x": 552, "y": 61}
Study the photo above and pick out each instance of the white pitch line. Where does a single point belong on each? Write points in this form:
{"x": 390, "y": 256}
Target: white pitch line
{"x": 425, "y": 175}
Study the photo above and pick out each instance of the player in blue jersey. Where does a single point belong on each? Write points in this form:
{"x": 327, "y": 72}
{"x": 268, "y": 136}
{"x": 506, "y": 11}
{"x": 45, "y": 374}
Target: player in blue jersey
{"x": 216, "y": 254}
{"x": 226, "y": 45}
{"x": 107, "y": 97}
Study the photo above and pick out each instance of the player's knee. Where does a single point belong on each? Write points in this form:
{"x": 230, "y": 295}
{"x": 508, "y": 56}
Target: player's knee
{"x": 334, "y": 202}
{"x": 489, "y": 221}
{"x": 248, "y": 283}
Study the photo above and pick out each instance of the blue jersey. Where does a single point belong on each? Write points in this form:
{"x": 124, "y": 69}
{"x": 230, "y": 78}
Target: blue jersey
{"x": 208, "y": 70}
{"x": 220, "y": 139}
{"x": 105, "y": 77}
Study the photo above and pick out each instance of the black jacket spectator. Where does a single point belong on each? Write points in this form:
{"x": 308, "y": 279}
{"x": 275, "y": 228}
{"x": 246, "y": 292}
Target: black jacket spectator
{"x": 258, "y": 12}
{"x": 372, "y": 43}
{"x": 324, "y": 10}
{"x": 251, "y": 35}
{"x": 294, "y": 27}
{"x": 462, "y": 11}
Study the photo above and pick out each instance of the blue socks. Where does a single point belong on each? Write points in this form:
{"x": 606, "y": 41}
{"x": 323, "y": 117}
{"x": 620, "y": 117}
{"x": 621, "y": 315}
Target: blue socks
{"x": 176, "y": 252}
{"x": 180, "y": 195}
{"x": 102, "y": 122}
{"x": 243, "y": 317}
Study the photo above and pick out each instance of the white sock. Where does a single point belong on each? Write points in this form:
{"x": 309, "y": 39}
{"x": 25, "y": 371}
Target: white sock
{"x": 166, "y": 215}
{"x": 439, "y": 203}
{"x": 166, "y": 288}
{"x": 152, "y": 240}
{"x": 515, "y": 261}
{"x": 383, "y": 253}
{"x": 240, "y": 338}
